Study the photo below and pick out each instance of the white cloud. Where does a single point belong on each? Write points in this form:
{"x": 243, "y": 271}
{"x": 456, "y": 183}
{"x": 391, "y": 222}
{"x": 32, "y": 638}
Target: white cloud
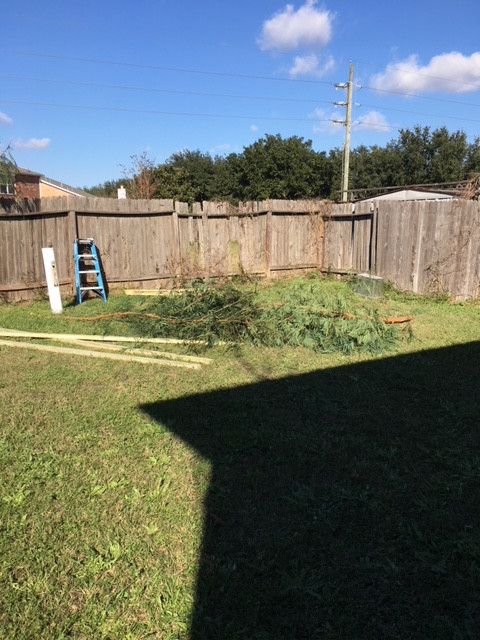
{"x": 327, "y": 122}
{"x": 288, "y": 30}
{"x": 449, "y": 72}
{"x": 33, "y": 143}
{"x": 221, "y": 149}
{"x": 4, "y": 119}
{"x": 309, "y": 66}
{"x": 372, "y": 121}
{"x": 333, "y": 122}
{"x": 253, "y": 127}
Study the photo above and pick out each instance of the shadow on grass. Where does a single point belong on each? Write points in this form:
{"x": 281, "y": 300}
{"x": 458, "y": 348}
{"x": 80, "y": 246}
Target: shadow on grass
{"x": 343, "y": 503}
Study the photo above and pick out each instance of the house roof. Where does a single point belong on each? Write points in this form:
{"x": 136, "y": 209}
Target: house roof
{"x": 66, "y": 187}
{"x": 54, "y": 183}
{"x": 26, "y": 172}
{"x": 414, "y": 193}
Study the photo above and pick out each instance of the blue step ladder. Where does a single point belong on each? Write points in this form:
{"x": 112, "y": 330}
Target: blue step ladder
{"x": 88, "y": 275}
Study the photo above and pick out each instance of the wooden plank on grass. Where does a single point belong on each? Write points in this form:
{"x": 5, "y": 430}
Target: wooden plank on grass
{"x": 141, "y": 352}
{"x": 16, "y": 333}
{"x": 98, "y": 354}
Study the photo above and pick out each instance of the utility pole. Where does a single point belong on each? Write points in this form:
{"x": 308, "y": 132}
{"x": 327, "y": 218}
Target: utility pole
{"x": 348, "y": 123}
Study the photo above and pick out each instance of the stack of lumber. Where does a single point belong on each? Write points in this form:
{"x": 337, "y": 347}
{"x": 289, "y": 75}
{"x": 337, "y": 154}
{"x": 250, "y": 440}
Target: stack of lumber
{"x": 95, "y": 346}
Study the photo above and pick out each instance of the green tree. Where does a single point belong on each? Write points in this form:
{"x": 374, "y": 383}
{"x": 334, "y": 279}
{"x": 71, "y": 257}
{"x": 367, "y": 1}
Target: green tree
{"x": 448, "y": 154}
{"x": 8, "y": 170}
{"x": 227, "y": 183}
{"x": 197, "y": 171}
{"x": 173, "y": 182}
{"x": 412, "y": 148}
{"x": 374, "y": 167}
{"x": 472, "y": 161}
{"x": 427, "y": 156}
{"x": 335, "y": 172}
{"x": 274, "y": 167}
{"x": 289, "y": 168}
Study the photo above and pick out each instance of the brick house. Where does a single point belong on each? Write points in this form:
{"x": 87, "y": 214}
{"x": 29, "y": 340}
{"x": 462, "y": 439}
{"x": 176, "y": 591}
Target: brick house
{"x": 30, "y": 184}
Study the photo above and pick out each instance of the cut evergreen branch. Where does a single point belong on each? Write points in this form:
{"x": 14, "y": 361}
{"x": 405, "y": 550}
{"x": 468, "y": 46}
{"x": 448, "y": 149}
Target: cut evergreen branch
{"x": 306, "y": 317}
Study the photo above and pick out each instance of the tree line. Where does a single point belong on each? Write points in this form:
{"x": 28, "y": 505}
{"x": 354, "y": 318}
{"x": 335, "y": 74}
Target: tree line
{"x": 289, "y": 168}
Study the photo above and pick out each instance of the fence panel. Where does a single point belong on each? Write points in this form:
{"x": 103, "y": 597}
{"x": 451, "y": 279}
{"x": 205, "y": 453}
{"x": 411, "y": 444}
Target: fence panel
{"x": 132, "y": 248}
{"x": 430, "y": 247}
{"x": 21, "y": 242}
{"x": 338, "y": 240}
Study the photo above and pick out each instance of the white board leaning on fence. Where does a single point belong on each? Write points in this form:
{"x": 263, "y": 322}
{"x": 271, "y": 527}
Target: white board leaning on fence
{"x": 52, "y": 279}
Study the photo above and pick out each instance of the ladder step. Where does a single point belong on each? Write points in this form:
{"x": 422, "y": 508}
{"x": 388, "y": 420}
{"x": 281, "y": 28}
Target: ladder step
{"x": 90, "y": 271}
{"x": 90, "y": 288}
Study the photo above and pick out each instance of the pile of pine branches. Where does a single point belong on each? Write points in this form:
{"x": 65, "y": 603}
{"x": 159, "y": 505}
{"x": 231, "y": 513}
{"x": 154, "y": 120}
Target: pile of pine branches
{"x": 306, "y": 316}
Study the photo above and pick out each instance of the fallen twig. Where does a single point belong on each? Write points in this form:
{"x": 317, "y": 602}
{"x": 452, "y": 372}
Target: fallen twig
{"x": 152, "y": 292}
{"x": 118, "y": 314}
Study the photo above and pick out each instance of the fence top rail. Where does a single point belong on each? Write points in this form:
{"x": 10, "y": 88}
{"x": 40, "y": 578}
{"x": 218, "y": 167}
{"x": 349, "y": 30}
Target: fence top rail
{"x": 251, "y": 214}
{"x": 114, "y": 207}
{"x": 104, "y": 206}
{"x": 20, "y": 215}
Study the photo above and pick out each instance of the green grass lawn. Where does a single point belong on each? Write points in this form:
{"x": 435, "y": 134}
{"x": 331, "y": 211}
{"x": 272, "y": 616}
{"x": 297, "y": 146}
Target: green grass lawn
{"x": 278, "y": 493}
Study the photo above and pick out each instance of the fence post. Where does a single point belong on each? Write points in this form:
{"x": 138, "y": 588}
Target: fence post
{"x": 374, "y": 240}
{"x": 268, "y": 243}
{"x": 206, "y": 240}
{"x": 176, "y": 240}
{"x": 72, "y": 236}
{"x": 320, "y": 237}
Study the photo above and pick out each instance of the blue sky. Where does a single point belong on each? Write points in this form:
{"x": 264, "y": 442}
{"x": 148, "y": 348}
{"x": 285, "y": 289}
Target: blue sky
{"x": 87, "y": 84}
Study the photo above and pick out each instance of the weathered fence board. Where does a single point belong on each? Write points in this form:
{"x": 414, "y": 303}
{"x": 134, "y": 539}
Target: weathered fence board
{"x": 252, "y": 240}
{"x": 422, "y": 247}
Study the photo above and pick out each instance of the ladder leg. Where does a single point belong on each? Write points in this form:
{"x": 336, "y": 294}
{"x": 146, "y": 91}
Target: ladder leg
{"x": 77, "y": 272}
{"x": 101, "y": 287}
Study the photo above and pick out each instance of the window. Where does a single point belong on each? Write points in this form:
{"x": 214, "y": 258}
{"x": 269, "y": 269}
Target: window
{"x": 6, "y": 188}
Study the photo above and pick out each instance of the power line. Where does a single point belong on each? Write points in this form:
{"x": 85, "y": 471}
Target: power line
{"x": 233, "y": 97}
{"x": 224, "y": 95}
{"x": 418, "y": 113}
{"x": 168, "y": 91}
{"x": 238, "y": 75}
{"x": 378, "y": 125}
{"x": 420, "y": 96}
{"x": 157, "y": 112}
{"x": 216, "y": 95}
{"x": 161, "y": 68}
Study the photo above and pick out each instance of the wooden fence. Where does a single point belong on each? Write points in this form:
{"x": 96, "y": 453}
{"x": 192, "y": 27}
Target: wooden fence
{"x": 418, "y": 246}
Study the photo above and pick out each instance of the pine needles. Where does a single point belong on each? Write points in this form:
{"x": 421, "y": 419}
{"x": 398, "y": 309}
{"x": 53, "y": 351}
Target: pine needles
{"x": 204, "y": 312}
{"x": 306, "y": 316}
